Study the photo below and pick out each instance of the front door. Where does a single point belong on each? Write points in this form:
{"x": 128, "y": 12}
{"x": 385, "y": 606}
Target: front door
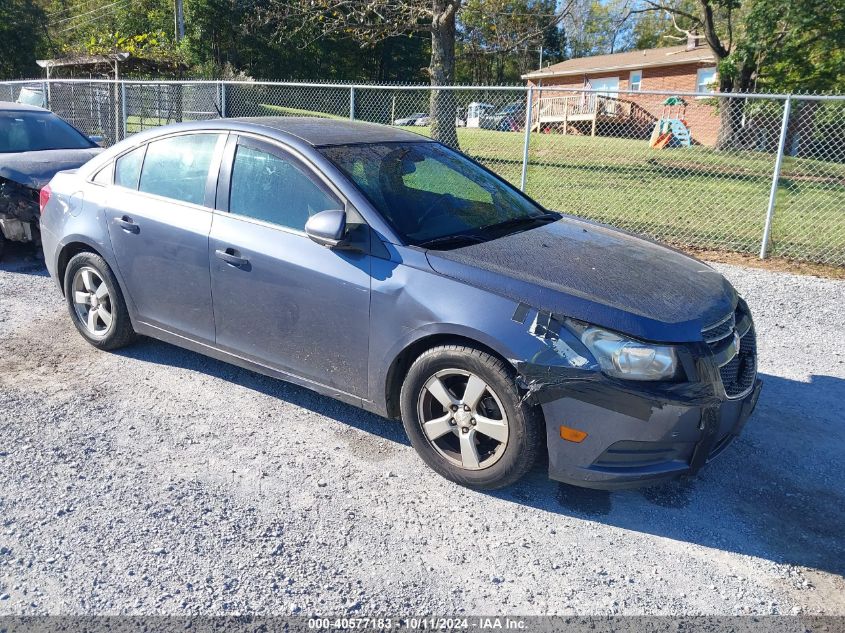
{"x": 159, "y": 215}
{"x": 606, "y": 87}
{"x": 279, "y": 298}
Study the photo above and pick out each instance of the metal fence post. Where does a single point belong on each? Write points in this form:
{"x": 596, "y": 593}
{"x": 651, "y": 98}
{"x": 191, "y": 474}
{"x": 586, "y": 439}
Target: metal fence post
{"x": 770, "y": 212}
{"x": 529, "y": 105}
{"x": 123, "y": 110}
{"x": 223, "y": 99}
{"x": 352, "y": 103}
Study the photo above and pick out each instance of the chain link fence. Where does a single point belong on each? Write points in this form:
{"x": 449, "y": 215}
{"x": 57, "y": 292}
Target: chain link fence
{"x": 746, "y": 173}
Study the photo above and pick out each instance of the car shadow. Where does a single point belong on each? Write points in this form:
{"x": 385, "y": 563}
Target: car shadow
{"x": 778, "y": 492}
{"x": 23, "y": 258}
{"x": 153, "y": 351}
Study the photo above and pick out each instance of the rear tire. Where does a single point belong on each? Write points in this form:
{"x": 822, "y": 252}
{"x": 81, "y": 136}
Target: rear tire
{"x": 96, "y": 304}
{"x": 467, "y": 420}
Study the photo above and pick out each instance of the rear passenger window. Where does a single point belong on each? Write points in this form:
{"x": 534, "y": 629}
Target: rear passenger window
{"x": 274, "y": 189}
{"x": 127, "y": 168}
{"x": 177, "y": 167}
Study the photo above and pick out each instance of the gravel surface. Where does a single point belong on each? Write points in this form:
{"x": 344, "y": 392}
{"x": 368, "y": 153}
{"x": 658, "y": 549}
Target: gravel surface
{"x": 155, "y": 480}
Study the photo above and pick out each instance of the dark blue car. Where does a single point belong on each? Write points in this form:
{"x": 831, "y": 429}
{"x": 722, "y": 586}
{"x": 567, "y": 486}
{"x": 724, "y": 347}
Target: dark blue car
{"x": 384, "y": 269}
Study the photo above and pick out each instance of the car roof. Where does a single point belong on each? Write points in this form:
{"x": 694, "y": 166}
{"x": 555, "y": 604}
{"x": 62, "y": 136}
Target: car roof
{"x": 10, "y": 106}
{"x": 313, "y": 131}
{"x": 320, "y": 132}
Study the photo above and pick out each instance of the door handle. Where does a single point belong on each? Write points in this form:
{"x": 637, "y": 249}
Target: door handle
{"x": 127, "y": 224}
{"x": 230, "y": 256}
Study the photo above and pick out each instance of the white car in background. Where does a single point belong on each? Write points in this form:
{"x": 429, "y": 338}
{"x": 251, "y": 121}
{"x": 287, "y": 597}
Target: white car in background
{"x": 411, "y": 119}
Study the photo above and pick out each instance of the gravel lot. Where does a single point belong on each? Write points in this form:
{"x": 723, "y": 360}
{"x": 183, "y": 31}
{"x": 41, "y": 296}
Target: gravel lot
{"x": 155, "y": 480}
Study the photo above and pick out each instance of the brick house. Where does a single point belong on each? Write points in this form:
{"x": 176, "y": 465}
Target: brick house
{"x": 616, "y": 108}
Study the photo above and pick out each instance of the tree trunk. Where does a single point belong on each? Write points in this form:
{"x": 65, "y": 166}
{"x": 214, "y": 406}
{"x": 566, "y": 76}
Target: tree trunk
{"x": 801, "y": 129}
{"x": 731, "y": 109}
{"x": 443, "y": 102}
{"x": 730, "y": 122}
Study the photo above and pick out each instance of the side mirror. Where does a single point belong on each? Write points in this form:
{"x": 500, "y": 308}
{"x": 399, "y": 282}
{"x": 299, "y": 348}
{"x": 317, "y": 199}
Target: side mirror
{"x": 96, "y": 139}
{"x": 327, "y": 228}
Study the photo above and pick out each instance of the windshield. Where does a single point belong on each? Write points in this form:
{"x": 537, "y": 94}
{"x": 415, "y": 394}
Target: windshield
{"x": 427, "y": 191}
{"x": 35, "y": 131}
{"x": 31, "y": 96}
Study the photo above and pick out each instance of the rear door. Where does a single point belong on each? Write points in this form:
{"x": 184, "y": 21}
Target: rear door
{"x": 279, "y": 298}
{"x": 159, "y": 216}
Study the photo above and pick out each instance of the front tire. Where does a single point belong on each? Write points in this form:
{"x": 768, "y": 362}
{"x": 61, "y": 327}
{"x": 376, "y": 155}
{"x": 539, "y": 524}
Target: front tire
{"x": 96, "y": 304}
{"x": 466, "y": 419}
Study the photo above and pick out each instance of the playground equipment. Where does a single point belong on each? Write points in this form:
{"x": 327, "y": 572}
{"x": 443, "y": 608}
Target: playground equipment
{"x": 671, "y": 129}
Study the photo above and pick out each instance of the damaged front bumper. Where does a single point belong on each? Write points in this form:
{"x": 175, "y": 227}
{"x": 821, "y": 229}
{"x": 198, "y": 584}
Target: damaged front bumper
{"x": 637, "y": 440}
{"x": 629, "y": 433}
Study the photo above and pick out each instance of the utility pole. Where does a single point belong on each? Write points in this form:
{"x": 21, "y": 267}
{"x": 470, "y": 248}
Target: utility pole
{"x": 180, "y": 20}
{"x": 541, "y": 58}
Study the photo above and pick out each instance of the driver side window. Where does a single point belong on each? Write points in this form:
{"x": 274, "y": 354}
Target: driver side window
{"x": 275, "y": 189}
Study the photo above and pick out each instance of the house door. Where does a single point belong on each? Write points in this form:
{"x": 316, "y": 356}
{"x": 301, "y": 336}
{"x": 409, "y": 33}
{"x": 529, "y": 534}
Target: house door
{"x": 606, "y": 87}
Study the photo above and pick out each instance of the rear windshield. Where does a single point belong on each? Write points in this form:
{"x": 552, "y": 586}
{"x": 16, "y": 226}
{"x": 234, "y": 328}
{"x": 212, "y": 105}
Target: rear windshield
{"x": 427, "y": 191}
{"x": 35, "y": 131}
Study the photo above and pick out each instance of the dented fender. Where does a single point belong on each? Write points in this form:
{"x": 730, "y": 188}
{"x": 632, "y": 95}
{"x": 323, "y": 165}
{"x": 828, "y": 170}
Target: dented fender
{"x": 563, "y": 367}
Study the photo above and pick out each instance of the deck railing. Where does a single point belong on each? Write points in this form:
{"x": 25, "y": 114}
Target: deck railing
{"x": 579, "y": 106}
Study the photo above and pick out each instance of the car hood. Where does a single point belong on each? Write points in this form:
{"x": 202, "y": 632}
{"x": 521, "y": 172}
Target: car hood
{"x": 36, "y": 169}
{"x": 597, "y": 274}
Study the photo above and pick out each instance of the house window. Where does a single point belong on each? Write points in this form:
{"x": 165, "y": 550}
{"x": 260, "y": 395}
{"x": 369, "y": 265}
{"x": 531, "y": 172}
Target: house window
{"x": 635, "y": 81}
{"x": 605, "y": 86}
{"x": 705, "y": 80}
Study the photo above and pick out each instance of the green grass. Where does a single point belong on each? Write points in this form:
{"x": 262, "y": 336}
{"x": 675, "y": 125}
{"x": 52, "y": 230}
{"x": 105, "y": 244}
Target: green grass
{"x": 696, "y": 196}
{"x": 135, "y": 123}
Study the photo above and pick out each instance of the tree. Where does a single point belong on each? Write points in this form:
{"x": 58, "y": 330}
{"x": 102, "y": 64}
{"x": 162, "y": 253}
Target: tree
{"x": 554, "y": 44}
{"x": 490, "y": 32}
{"x": 22, "y": 38}
{"x": 720, "y": 22}
{"x": 798, "y": 46}
{"x": 781, "y": 43}
{"x": 650, "y": 30}
{"x": 372, "y": 21}
{"x": 597, "y": 27}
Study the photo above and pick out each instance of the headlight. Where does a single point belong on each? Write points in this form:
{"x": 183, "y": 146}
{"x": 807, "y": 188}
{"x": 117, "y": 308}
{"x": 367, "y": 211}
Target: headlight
{"x": 623, "y": 357}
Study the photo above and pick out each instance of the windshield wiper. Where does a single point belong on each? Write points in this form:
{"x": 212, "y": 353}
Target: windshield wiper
{"x": 522, "y": 221}
{"x": 451, "y": 240}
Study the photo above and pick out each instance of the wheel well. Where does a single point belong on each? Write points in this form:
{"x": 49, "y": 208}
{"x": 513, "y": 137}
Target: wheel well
{"x": 400, "y": 365}
{"x": 69, "y": 252}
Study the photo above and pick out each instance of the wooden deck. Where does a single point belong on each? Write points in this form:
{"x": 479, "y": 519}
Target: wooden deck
{"x": 561, "y": 111}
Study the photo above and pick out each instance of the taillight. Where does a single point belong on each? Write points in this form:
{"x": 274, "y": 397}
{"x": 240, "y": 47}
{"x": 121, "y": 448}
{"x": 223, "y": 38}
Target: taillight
{"x": 44, "y": 197}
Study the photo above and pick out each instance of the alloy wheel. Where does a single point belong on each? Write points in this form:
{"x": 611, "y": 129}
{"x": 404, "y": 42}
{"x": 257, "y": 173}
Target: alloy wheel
{"x": 92, "y": 302}
{"x": 463, "y": 419}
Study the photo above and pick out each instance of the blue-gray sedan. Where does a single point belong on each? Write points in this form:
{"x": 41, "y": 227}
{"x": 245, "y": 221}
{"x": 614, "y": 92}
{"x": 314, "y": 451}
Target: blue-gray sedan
{"x": 384, "y": 269}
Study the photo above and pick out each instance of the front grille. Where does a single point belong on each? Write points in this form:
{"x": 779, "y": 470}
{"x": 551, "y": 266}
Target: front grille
{"x": 737, "y": 369}
{"x": 739, "y": 373}
{"x": 721, "y": 330}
